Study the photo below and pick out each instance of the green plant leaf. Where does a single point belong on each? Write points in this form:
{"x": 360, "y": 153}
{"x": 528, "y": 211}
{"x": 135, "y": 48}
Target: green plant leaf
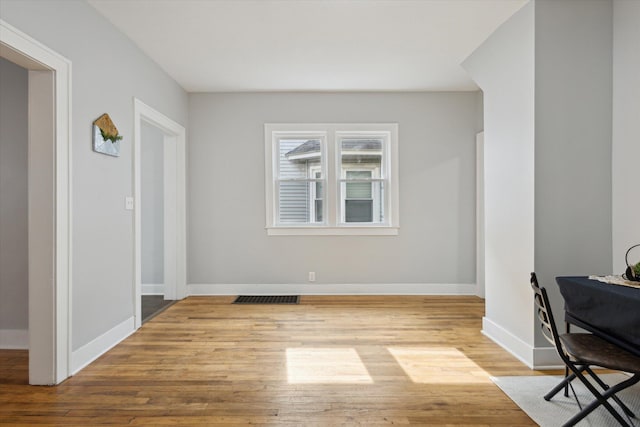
{"x": 112, "y": 138}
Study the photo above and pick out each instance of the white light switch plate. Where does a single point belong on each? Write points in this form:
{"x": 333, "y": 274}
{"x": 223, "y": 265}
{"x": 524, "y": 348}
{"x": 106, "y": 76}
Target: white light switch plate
{"x": 128, "y": 203}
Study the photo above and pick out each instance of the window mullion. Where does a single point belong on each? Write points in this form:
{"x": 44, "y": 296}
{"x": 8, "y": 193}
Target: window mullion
{"x": 331, "y": 169}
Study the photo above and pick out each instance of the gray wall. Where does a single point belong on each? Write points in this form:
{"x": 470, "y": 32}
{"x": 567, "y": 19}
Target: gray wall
{"x": 626, "y": 133}
{"x": 14, "y": 255}
{"x": 227, "y": 241}
{"x": 108, "y": 70}
{"x": 571, "y": 72}
{"x": 152, "y": 204}
{"x": 573, "y": 45}
{"x": 503, "y": 66}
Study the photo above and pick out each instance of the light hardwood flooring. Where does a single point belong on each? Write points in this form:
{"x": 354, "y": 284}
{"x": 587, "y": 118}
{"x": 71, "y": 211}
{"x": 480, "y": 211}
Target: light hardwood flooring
{"x": 329, "y": 361}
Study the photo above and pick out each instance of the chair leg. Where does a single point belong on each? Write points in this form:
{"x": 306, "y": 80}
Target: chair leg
{"x": 566, "y": 383}
{"x": 567, "y": 327}
{"x": 605, "y": 387}
{"x": 601, "y": 399}
{"x": 563, "y": 384}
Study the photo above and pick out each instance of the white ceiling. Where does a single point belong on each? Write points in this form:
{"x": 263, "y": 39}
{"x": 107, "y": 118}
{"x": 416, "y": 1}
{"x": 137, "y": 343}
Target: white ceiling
{"x": 310, "y": 45}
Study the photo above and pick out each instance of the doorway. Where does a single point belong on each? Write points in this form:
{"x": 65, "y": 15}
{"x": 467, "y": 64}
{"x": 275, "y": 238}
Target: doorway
{"x": 152, "y": 213}
{"x": 160, "y": 249}
{"x": 49, "y": 201}
{"x": 14, "y": 251}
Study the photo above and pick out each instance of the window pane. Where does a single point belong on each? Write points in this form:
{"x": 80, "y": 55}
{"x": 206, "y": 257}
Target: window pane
{"x": 359, "y": 151}
{"x": 358, "y": 211}
{"x": 358, "y": 208}
{"x": 316, "y": 196}
{"x": 358, "y": 190}
{"x": 300, "y": 202}
{"x": 318, "y": 186}
{"x": 294, "y": 202}
{"x": 297, "y": 157}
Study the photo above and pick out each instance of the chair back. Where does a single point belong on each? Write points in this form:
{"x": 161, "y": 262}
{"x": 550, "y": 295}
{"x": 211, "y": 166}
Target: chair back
{"x": 545, "y": 316}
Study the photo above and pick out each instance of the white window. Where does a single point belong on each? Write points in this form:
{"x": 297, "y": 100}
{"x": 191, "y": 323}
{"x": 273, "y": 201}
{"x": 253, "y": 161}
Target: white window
{"x": 331, "y": 179}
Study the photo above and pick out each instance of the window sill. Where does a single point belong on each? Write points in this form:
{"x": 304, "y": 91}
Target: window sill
{"x": 333, "y": 231}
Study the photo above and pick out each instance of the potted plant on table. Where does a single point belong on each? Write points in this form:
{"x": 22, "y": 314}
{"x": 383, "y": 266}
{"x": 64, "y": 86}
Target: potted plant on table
{"x": 633, "y": 270}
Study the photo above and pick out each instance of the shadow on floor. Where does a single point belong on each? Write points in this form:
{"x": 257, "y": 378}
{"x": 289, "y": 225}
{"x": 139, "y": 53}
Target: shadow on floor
{"x": 152, "y": 305}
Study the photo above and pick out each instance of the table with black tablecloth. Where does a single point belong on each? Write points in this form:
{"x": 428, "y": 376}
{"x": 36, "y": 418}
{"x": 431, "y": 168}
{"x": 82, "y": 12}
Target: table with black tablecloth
{"x": 608, "y": 310}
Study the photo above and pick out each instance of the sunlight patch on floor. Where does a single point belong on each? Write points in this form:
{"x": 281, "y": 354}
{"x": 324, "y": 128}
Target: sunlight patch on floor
{"x": 326, "y": 366}
{"x": 438, "y": 365}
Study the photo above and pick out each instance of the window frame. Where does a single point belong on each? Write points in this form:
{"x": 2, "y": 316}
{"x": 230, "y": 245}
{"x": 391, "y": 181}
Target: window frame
{"x": 331, "y": 135}
{"x": 313, "y": 195}
{"x": 276, "y": 173}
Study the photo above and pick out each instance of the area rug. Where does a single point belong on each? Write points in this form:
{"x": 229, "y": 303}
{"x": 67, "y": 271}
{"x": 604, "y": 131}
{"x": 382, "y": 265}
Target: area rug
{"x": 528, "y": 392}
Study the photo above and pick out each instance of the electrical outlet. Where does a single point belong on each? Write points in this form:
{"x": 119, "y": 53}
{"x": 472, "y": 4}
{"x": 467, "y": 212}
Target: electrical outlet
{"x": 128, "y": 203}
{"x": 312, "y": 276}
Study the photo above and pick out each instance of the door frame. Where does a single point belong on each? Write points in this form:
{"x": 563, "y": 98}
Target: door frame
{"x": 480, "y": 242}
{"x": 175, "y": 259}
{"x": 49, "y": 300}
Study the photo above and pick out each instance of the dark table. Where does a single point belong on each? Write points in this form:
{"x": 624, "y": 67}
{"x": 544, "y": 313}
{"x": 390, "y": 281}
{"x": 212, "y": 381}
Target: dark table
{"x": 609, "y": 311}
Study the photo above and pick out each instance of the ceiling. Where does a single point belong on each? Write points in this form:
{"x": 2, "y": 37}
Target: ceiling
{"x": 310, "y": 45}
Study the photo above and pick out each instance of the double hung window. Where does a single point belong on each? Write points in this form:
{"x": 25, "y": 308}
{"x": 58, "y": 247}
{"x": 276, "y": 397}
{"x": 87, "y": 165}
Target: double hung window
{"x": 331, "y": 178}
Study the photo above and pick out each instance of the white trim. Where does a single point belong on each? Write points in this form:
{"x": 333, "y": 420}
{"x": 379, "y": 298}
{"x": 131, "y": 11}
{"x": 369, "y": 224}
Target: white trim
{"x": 96, "y": 348}
{"x": 534, "y": 357}
{"x": 176, "y": 253}
{"x": 480, "y": 260}
{"x": 313, "y": 170}
{"x": 170, "y": 191}
{"x": 545, "y": 358}
{"x": 315, "y": 230}
{"x": 152, "y": 289}
{"x": 505, "y": 339}
{"x": 19, "y": 44}
{"x": 14, "y": 339}
{"x": 333, "y": 289}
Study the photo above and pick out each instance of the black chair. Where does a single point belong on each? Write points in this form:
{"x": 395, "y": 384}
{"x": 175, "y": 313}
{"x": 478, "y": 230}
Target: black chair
{"x": 581, "y": 351}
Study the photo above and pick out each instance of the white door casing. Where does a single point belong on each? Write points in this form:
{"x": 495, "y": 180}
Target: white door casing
{"x": 480, "y": 249}
{"x": 49, "y": 203}
{"x": 175, "y": 261}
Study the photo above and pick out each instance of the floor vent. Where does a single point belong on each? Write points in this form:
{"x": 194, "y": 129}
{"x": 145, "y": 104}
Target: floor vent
{"x": 267, "y": 299}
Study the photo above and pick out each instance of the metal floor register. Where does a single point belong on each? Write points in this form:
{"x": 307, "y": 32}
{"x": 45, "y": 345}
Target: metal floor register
{"x": 267, "y": 299}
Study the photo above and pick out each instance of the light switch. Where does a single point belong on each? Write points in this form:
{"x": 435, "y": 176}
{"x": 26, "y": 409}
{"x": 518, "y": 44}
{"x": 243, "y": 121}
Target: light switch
{"x": 128, "y": 203}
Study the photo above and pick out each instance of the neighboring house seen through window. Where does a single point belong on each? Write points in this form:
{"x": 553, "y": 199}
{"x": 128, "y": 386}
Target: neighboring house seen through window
{"x": 331, "y": 179}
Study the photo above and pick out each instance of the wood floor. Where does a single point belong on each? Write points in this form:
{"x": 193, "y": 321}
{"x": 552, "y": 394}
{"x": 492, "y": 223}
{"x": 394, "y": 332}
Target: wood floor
{"x": 329, "y": 361}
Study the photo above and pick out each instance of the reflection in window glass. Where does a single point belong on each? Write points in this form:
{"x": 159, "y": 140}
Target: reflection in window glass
{"x": 361, "y": 164}
{"x": 300, "y": 195}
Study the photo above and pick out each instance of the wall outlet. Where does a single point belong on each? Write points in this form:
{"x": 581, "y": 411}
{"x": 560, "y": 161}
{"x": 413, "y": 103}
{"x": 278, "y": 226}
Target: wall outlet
{"x": 312, "y": 276}
{"x": 128, "y": 203}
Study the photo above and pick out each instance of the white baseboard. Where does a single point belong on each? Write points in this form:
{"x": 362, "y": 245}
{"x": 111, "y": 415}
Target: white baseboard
{"x": 152, "y": 289}
{"x": 546, "y": 358}
{"x": 96, "y": 348}
{"x": 539, "y": 358}
{"x": 505, "y": 339}
{"x": 14, "y": 339}
{"x": 333, "y": 289}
